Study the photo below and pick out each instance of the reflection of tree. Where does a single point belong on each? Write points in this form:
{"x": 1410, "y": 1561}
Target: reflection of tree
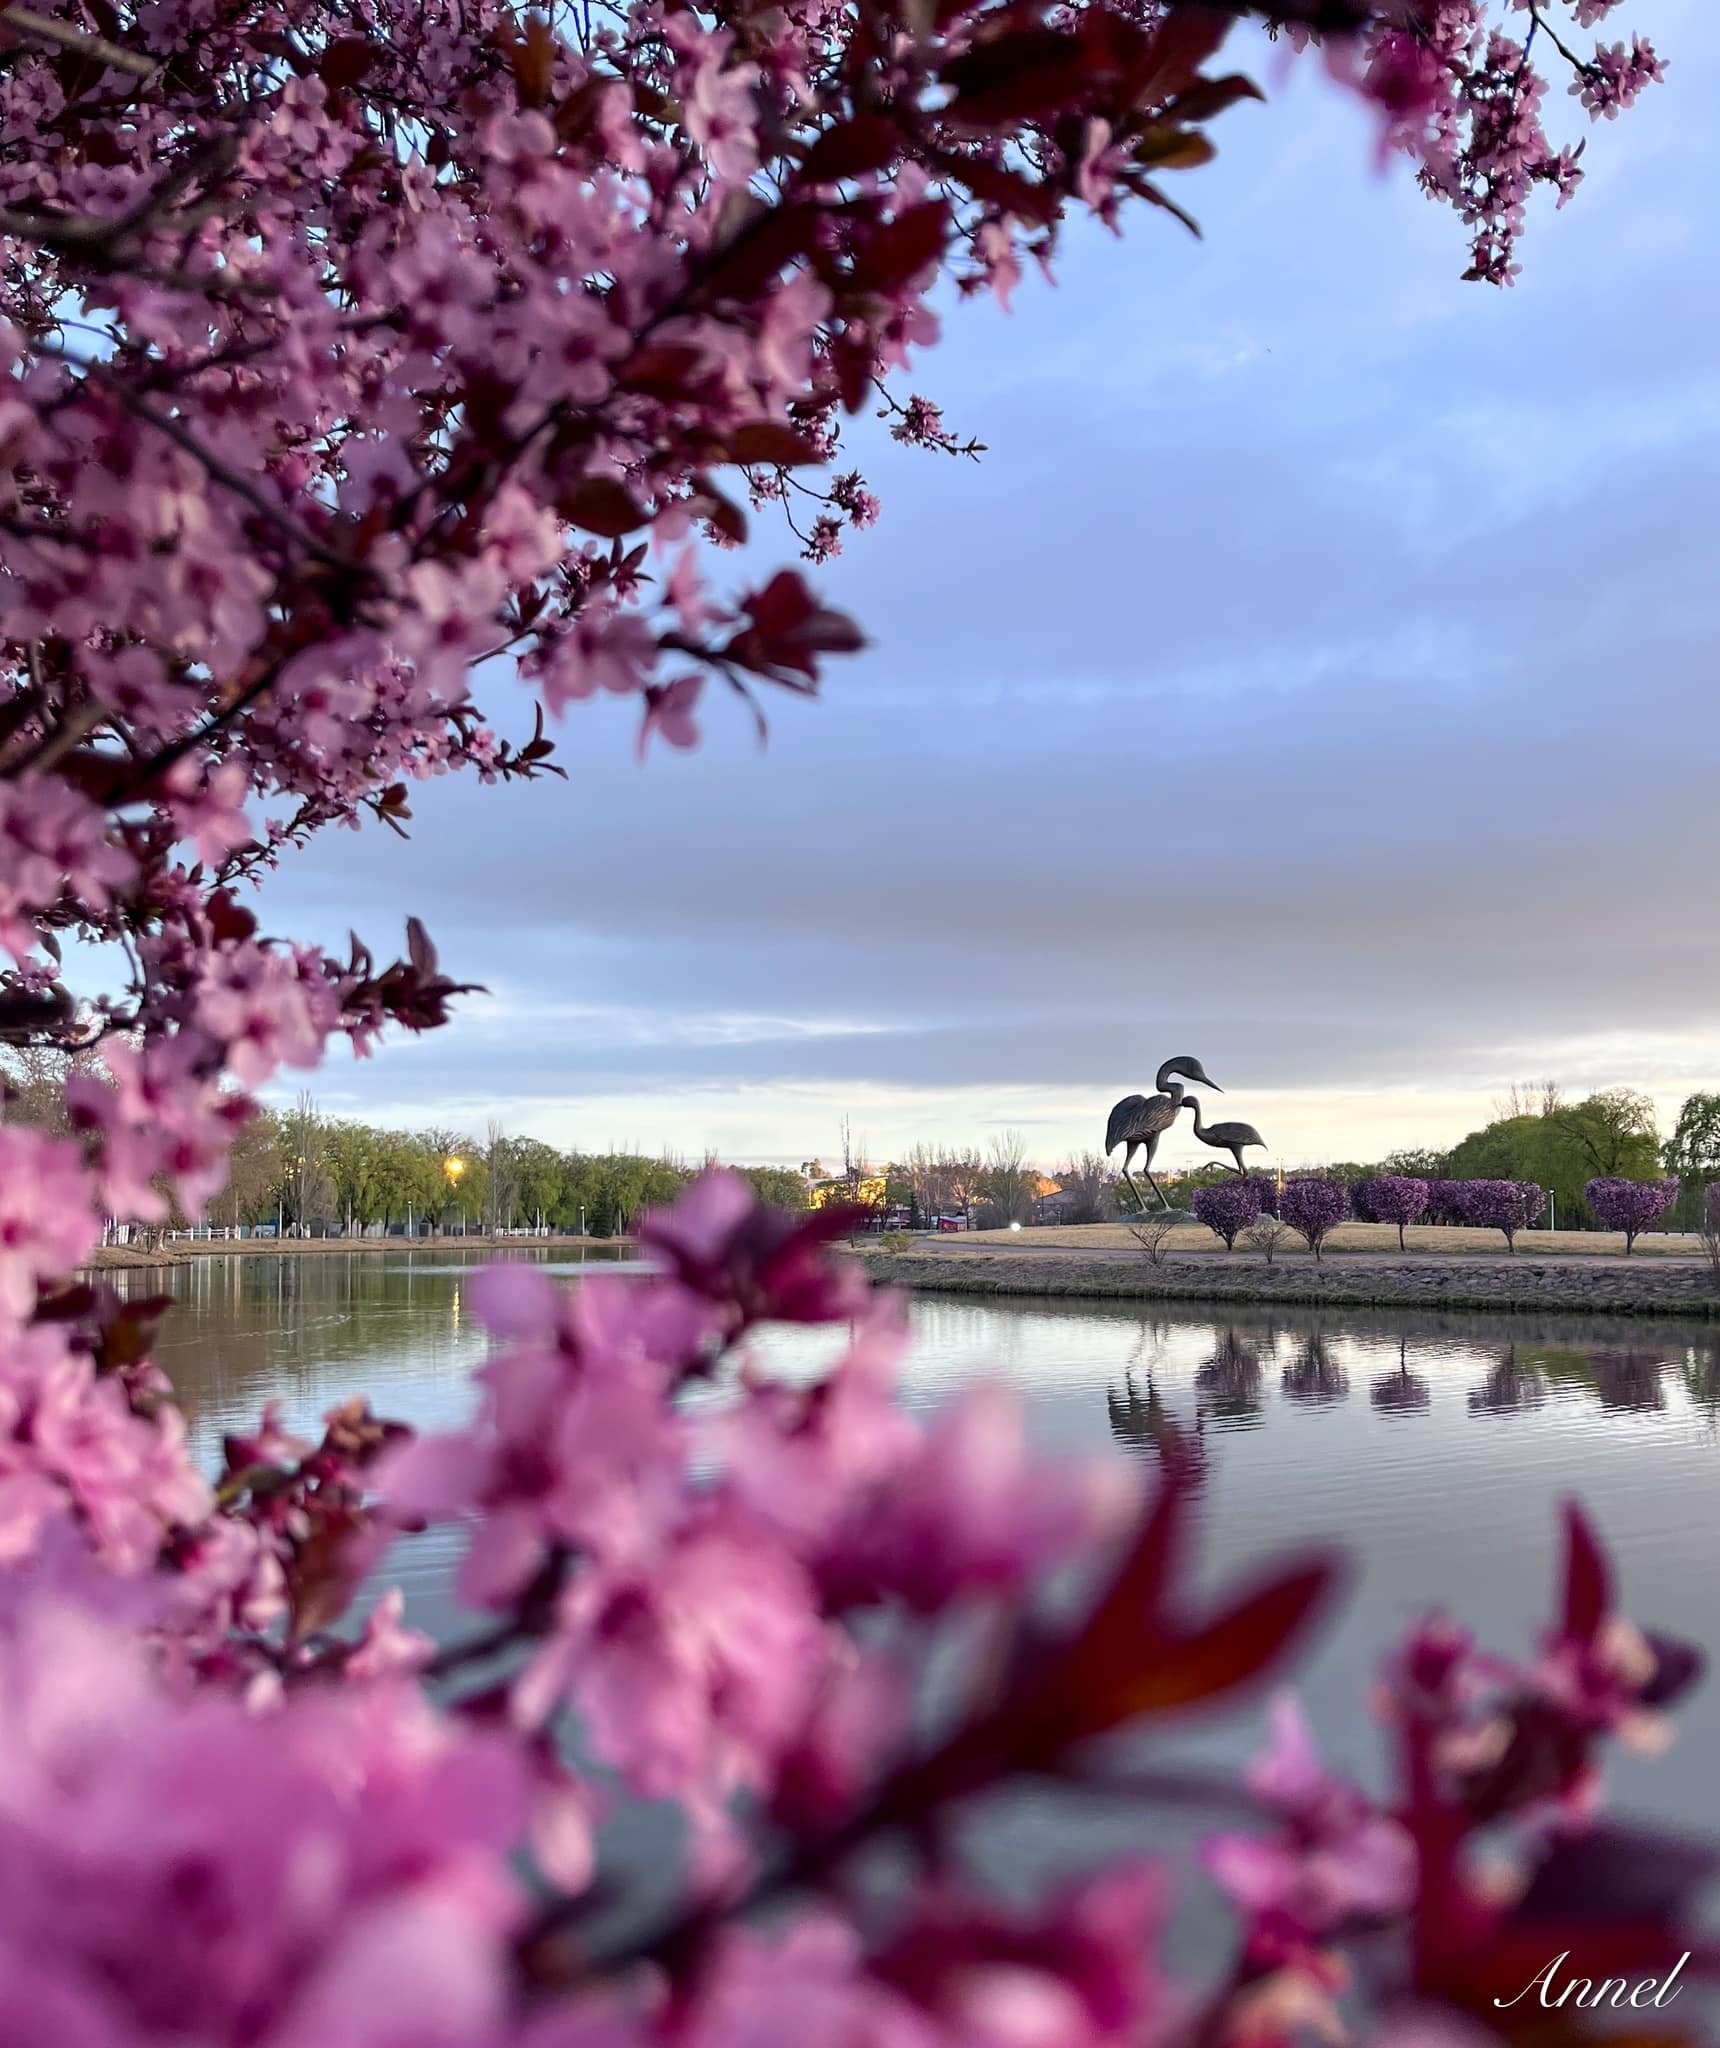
{"x": 1143, "y": 1423}
{"x": 1227, "y": 1387}
{"x": 1701, "y": 1374}
{"x": 1512, "y": 1385}
{"x": 1403, "y": 1391}
{"x": 1314, "y": 1376}
{"x": 1622, "y": 1381}
{"x": 1629, "y": 1380}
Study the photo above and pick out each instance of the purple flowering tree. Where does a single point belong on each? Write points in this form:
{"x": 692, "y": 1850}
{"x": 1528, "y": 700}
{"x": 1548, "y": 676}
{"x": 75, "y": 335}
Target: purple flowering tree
{"x": 1313, "y": 1207}
{"x": 1392, "y": 1198}
{"x": 1505, "y": 1205}
{"x": 1228, "y": 1209}
{"x": 1631, "y": 1206}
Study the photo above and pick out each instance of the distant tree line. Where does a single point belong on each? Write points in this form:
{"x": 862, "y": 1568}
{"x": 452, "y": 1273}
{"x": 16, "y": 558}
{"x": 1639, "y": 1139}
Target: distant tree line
{"x": 312, "y": 1171}
{"x": 330, "y": 1173}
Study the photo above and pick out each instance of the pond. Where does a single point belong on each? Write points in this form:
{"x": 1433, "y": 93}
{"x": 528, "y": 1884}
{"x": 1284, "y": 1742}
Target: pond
{"x": 1435, "y": 1450}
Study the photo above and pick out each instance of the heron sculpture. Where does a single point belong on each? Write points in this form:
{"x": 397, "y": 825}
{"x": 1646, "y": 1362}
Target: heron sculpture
{"x": 1232, "y": 1138}
{"x": 1142, "y": 1120}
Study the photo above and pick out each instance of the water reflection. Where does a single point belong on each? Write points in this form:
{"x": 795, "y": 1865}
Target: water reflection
{"x": 1402, "y": 1392}
{"x": 1228, "y": 1385}
{"x": 1443, "y": 1484}
{"x": 1314, "y": 1376}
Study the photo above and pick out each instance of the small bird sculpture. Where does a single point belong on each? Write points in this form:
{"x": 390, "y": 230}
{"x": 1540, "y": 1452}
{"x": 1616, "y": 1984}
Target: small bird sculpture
{"x": 1232, "y": 1138}
{"x": 1140, "y": 1121}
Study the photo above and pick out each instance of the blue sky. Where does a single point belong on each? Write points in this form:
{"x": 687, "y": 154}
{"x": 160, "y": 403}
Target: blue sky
{"x": 1316, "y": 675}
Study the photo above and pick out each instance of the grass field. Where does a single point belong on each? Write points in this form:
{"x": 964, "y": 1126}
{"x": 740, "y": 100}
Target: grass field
{"x": 1376, "y": 1238}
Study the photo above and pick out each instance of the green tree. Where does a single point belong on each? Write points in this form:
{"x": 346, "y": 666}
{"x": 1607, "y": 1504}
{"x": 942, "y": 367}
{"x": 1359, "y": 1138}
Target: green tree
{"x": 1693, "y": 1153}
{"x": 1562, "y": 1146}
{"x": 780, "y": 1186}
{"x": 1611, "y": 1135}
{"x": 1510, "y": 1148}
{"x": 541, "y": 1173}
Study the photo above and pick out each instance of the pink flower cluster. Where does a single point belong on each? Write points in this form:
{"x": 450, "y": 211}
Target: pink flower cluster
{"x": 694, "y": 1580}
{"x": 189, "y": 1870}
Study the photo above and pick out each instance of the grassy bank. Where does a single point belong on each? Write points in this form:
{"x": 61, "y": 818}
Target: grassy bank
{"x": 1442, "y": 1240}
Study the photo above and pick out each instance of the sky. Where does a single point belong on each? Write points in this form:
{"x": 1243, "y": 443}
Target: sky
{"x": 1316, "y": 675}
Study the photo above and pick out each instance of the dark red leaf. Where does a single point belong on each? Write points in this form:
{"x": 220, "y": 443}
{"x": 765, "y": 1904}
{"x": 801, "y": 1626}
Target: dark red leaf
{"x": 600, "y": 505}
{"x": 1032, "y": 94}
{"x": 867, "y": 143}
{"x": 345, "y": 62}
{"x": 1210, "y": 96}
{"x": 998, "y": 187}
{"x": 1588, "y": 1577}
{"x": 761, "y": 249}
{"x": 1000, "y": 54}
{"x": 770, "y": 441}
{"x": 1174, "y": 54}
{"x": 905, "y": 246}
{"x": 1145, "y": 189}
{"x": 1241, "y": 1646}
{"x": 662, "y": 371}
{"x": 721, "y": 510}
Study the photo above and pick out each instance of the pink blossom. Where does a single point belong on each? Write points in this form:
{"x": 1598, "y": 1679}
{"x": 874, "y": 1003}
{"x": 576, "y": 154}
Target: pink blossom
{"x": 257, "y": 1003}
{"x": 670, "y": 713}
{"x": 1339, "y": 1862}
{"x": 46, "y": 1223}
{"x": 174, "y": 1871}
{"x": 721, "y": 1242}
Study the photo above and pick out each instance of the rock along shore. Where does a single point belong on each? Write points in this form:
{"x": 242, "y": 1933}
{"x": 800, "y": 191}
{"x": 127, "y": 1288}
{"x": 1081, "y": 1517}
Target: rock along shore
{"x": 1598, "y": 1286}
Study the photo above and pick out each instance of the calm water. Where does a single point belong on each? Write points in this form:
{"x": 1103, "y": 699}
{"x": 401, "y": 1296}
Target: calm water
{"x": 1434, "y": 1449}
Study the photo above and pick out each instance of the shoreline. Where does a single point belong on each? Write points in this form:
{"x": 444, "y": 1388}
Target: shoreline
{"x": 189, "y": 1251}
{"x": 1683, "y": 1288}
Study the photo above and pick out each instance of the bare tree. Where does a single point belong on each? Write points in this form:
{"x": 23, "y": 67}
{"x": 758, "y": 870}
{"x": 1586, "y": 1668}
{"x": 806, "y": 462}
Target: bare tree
{"x": 1090, "y": 1186}
{"x": 1528, "y": 1098}
{"x": 966, "y": 1172}
{"x": 1710, "y": 1226}
{"x": 1008, "y": 1180}
{"x": 929, "y": 1177}
{"x": 1153, "y": 1234}
{"x": 33, "y": 1083}
{"x": 307, "y": 1189}
{"x": 501, "y": 1179}
{"x": 1267, "y": 1236}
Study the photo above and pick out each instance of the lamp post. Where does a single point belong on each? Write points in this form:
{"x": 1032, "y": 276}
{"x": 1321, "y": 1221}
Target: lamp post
{"x": 453, "y": 1168}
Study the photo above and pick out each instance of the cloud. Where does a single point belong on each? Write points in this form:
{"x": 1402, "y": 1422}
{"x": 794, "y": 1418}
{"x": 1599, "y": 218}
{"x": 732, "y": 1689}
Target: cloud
{"x": 1317, "y": 673}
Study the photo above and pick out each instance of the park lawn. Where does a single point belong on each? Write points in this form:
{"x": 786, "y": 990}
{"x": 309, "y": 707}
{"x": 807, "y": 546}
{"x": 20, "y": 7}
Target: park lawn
{"x": 1377, "y": 1238}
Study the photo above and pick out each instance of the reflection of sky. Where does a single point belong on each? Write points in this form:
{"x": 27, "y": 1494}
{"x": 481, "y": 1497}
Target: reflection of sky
{"x": 1317, "y": 674}
{"x": 1450, "y": 1503}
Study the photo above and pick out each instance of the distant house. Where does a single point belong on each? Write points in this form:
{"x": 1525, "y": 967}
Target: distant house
{"x": 1054, "y": 1204}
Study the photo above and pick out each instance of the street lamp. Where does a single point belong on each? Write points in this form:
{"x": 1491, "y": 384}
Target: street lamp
{"x": 453, "y": 1168}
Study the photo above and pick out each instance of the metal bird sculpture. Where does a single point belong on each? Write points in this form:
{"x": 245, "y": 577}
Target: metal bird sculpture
{"x": 1232, "y": 1138}
{"x": 1142, "y": 1120}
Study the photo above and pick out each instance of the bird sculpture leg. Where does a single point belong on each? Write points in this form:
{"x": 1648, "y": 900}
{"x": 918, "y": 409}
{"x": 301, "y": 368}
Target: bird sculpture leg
{"x": 1128, "y": 1154}
{"x": 1237, "y": 1156}
{"x": 1152, "y": 1146}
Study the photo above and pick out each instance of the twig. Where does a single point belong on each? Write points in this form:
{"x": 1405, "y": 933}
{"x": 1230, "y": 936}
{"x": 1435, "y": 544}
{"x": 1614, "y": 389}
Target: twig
{"x": 44, "y": 28}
